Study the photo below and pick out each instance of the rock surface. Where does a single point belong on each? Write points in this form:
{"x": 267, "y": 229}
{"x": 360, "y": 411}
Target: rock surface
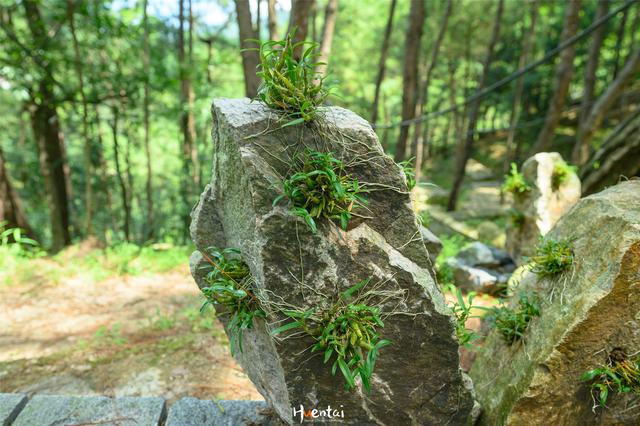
{"x": 195, "y": 412}
{"x": 585, "y": 314}
{"x": 417, "y": 378}
{"x": 540, "y": 208}
{"x": 432, "y": 243}
{"x": 50, "y": 410}
{"x": 481, "y": 268}
{"x": 10, "y": 406}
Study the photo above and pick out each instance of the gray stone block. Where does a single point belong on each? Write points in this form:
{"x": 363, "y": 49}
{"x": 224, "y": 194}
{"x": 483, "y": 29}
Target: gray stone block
{"x": 50, "y": 410}
{"x": 10, "y": 406}
{"x": 195, "y": 412}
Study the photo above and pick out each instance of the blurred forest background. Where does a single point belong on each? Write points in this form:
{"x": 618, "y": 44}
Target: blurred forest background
{"x": 105, "y": 103}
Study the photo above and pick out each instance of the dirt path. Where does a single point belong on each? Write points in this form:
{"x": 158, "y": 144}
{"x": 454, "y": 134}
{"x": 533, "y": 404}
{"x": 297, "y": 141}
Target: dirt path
{"x": 131, "y": 336}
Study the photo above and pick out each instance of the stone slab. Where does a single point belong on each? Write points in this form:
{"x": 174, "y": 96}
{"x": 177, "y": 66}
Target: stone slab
{"x": 195, "y": 412}
{"x": 10, "y": 406}
{"x": 50, "y": 410}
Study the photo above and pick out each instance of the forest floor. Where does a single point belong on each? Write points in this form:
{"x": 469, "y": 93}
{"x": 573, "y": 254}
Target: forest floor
{"x": 127, "y": 335}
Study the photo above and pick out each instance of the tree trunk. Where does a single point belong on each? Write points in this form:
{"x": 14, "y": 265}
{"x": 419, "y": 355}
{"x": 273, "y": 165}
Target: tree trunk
{"x": 299, "y": 20}
{"x": 581, "y": 153}
{"x": 250, "y": 58}
{"x": 149, "y": 226}
{"x": 124, "y": 192}
{"x": 604, "y": 103}
{"x": 617, "y": 157}
{"x": 528, "y": 40}
{"x": 382, "y": 65}
{"x": 423, "y": 92}
{"x": 11, "y": 212}
{"x": 273, "y": 20}
{"x": 104, "y": 176}
{"x": 562, "y": 79}
{"x": 619, "y": 41}
{"x": 410, "y": 74}
{"x": 330, "y": 15}
{"x": 48, "y": 136}
{"x": 466, "y": 149}
{"x": 88, "y": 208}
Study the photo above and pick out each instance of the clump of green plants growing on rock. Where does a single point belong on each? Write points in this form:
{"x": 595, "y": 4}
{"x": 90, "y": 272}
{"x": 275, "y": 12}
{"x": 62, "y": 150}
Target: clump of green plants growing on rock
{"x": 620, "y": 374}
{"x": 515, "y": 182}
{"x": 322, "y": 189}
{"x": 230, "y": 285}
{"x": 346, "y": 332}
{"x": 513, "y": 322}
{"x": 552, "y": 258}
{"x": 560, "y": 174}
{"x": 409, "y": 173}
{"x": 291, "y": 84}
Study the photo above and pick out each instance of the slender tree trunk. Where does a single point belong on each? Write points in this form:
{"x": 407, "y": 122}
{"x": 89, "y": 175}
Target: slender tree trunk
{"x": 382, "y": 65}
{"x": 423, "y": 91}
{"x": 410, "y": 74}
{"x": 124, "y": 192}
{"x": 49, "y": 139}
{"x": 604, "y": 103}
{"x": 299, "y": 20}
{"x": 88, "y": 165}
{"x": 273, "y": 20}
{"x": 11, "y": 212}
{"x": 191, "y": 121}
{"x": 330, "y": 16}
{"x": 528, "y": 39}
{"x": 562, "y": 79}
{"x": 149, "y": 226}
{"x": 581, "y": 152}
{"x": 466, "y": 149}
{"x": 258, "y": 20}
{"x": 452, "y": 92}
{"x": 250, "y": 58}
{"x": 619, "y": 42}
{"x": 104, "y": 175}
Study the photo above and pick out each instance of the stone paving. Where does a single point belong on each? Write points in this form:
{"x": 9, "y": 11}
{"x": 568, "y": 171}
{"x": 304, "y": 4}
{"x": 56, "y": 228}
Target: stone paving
{"x": 59, "y": 410}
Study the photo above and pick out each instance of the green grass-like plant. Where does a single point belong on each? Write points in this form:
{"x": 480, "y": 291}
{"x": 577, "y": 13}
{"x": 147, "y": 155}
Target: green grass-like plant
{"x": 515, "y": 183}
{"x": 230, "y": 285}
{"x": 620, "y": 374}
{"x": 513, "y": 322}
{"x": 322, "y": 189}
{"x": 347, "y": 332}
{"x": 461, "y": 309}
{"x": 291, "y": 84}
{"x": 552, "y": 258}
{"x": 560, "y": 174}
{"x": 409, "y": 173}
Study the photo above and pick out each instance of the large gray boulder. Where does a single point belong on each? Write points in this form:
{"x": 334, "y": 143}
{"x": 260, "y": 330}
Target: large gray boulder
{"x": 536, "y": 211}
{"x": 586, "y": 314}
{"x": 417, "y": 379}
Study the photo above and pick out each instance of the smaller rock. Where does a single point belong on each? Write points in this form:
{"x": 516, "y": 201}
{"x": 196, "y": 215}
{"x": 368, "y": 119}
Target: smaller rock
{"x": 481, "y": 268}
{"x": 491, "y": 233}
{"x": 10, "y": 405}
{"x": 432, "y": 243}
{"x": 49, "y": 410}
{"x": 195, "y": 412}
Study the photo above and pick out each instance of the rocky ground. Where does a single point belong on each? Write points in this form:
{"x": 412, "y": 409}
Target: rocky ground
{"x": 126, "y": 335}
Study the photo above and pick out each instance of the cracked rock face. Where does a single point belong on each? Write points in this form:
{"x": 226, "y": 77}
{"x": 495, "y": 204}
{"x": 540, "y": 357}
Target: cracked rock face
{"x": 542, "y": 206}
{"x": 584, "y": 316}
{"x": 417, "y": 379}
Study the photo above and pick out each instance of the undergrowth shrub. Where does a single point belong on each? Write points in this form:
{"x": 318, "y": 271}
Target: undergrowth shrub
{"x": 346, "y": 332}
{"x": 462, "y": 310}
{"x": 552, "y": 257}
{"x": 320, "y": 188}
{"x": 291, "y": 84}
{"x": 513, "y": 322}
{"x": 620, "y": 374}
{"x": 409, "y": 173}
{"x": 230, "y": 285}
{"x": 515, "y": 182}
